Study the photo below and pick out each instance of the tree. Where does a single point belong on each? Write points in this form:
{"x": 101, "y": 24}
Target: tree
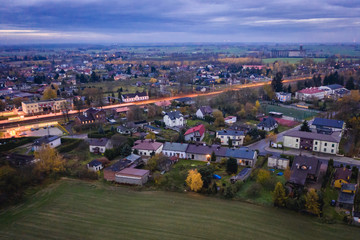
{"x": 49, "y": 93}
{"x": 305, "y": 127}
{"x": 279, "y": 196}
{"x": 287, "y": 173}
{"x": 150, "y": 135}
{"x": 153, "y": 80}
{"x": 231, "y": 166}
{"x": 49, "y": 160}
{"x": 257, "y": 105}
{"x": 219, "y": 118}
{"x": 350, "y": 84}
{"x": 270, "y": 94}
{"x": 156, "y": 162}
{"x": 194, "y": 180}
{"x": 311, "y": 202}
{"x": 263, "y": 176}
{"x": 276, "y": 83}
{"x": 213, "y": 157}
{"x": 125, "y": 150}
{"x": 206, "y": 172}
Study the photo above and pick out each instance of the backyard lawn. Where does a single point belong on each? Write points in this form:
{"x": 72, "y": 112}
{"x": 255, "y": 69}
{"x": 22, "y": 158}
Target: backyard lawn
{"x": 73, "y": 209}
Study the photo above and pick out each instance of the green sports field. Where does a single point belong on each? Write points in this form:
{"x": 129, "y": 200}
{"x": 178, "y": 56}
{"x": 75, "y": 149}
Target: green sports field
{"x": 298, "y": 114}
{"x": 72, "y": 209}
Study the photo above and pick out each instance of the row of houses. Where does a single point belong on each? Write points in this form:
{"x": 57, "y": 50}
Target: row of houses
{"x": 199, "y": 152}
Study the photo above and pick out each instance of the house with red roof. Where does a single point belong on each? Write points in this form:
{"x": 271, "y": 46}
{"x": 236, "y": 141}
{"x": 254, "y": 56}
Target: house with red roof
{"x": 310, "y": 93}
{"x": 196, "y": 133}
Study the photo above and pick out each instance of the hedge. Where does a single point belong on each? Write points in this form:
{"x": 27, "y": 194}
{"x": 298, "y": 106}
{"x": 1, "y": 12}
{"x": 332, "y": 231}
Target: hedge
{"x": 14, "y": 143}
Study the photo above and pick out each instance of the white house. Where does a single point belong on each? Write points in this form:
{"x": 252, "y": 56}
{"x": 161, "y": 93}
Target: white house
{"x": 196, "y": 133}
{"x": 99, "y": 145}
{"x": 174, "y": 119}
{"x": 278, "y": 163}
{"x": 230, "y": 120}
{"x": 317, "y": 142}
{"x": 52, "y": 141}
{"x": 134, "y": 97}
{"x": 175, "y": 149}
{"x": 147, "y": 147}
{"x": 204, "y": 111}
{"x": 309, "y": 93}
{"x": 267, "y": 124}
{"x": 95, "y": 165}
{"x": 283, "y": 97}
{"x": 236, "y": 137}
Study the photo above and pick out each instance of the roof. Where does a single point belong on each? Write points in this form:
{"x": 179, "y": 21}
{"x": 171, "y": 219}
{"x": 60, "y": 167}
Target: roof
{"x": 267, "y": 122}
{"x": 122, "y": 109}
{"x": 315, "y": 136}
{"x": 147, "y": 144}
{"x": 312, "y": 90}
{"x": 346, "y": 198}
{"x": 230, "y": 132}
{"x": 206, "y": 110}
{"x": 302, "y": 167}
{"x": 229, "y": 118}
{"x": 133, "y": 157}
{"x": 118, "y": 166}
{"x": 94, "y": 163}
{"x": 243, "y": 174}
{"x": 98, "y": 141}
{"x": 342, "y": 173}
{"x": 179, "y": 147}
{"x": 324, "y": 122}
{"x": 164, "y": 103}
{"x": 133, "y": 172}
{"x": 45, "y": 140}
{"x": 184, "y": 99}
{"x": 200, "y": 128}
{"x": 132, "y": 95}
{"x": 334, "y": 86}
{"x": 204, "y": 150}
{"x": 84, "y": 118}
{"x": 174, "y": 115}
{"x": 348, "y": 187}
{"x": 243, "y": 153}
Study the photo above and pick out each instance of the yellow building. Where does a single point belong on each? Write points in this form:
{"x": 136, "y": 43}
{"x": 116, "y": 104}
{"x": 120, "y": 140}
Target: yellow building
{"x": 43, "y": 106}
{"x": 341, "y": 176}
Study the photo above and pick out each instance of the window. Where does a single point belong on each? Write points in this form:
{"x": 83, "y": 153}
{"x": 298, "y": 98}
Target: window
{"x": 325, "y": 144}
{"x": 324, "y": 149}
{"x": 333, "y": 145}
{"x": 332, "y": 150}
{"x": 315, "y": 148}
{"x": 316, "y": 142}
{"x": 297, "y": 140}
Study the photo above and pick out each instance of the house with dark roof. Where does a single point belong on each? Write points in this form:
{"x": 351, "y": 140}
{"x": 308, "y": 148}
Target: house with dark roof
{"x": 226, "y": 135}
{"x": 317, "y": 142}
{"x": 303, "y": 170}
{"x": 202, "y": 152}
{"x": 347, "y": 196}
{"x": 99, "y": 145}
{"x": 90, "y": 116}
{"x": 324, "y": 125}
{"x": 330, "y": 89}
{"x": 109, "y": 172}
{"x": 50, "y": 140}
{"x": 123, "y": 130}
{"x": 196, "y": 133}
{"x": 185, "y": 100}
{"x": 174, "y": 119}
{"x": 134, "y": 97}
{"x": 267, "y": 124}
{"x": 95, "y": 165}
{"x": 147, "y": 147}
{"x": 341, "y": 176}
{"x": 171, "y": 149}
{"x": 244, "y": 156}
{"x": 204, "y": 111}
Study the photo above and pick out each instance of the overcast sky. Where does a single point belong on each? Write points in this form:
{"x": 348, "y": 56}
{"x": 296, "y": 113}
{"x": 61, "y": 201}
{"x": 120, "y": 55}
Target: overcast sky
{"x": 143, "y": 21}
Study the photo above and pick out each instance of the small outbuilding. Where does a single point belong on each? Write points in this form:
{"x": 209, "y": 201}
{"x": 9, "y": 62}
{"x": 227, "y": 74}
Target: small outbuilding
{"x": 132, "y": 176}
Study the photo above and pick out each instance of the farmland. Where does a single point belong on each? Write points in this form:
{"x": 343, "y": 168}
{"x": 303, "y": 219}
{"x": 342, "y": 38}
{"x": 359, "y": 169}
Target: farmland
{"x": 72, "y": 209}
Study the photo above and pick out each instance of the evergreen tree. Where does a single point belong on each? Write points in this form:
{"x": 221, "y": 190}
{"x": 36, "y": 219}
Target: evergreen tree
{"x": 305, "y": 127}
{"x": 350, "y": 84}
{"x": 231, "y": 166}
{"x": 289, "y": 89}
{"x": 213, "y": 157}
{"x": 311, "y": 202}
{"x": 279, "y": 196}
{"x": 277, "y": 82}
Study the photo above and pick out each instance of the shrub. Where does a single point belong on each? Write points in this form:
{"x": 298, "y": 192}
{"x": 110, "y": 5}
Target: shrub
{"x": 254, "y": 190}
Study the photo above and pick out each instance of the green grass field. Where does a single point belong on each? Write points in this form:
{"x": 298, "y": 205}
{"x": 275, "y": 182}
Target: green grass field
{"x": 72, "y": 209}
{"x": 289, "y": 60}
{"x": 291, "y": 112}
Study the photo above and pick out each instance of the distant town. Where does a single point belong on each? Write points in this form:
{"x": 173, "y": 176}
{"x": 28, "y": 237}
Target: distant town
{"x": 273, "y": 125}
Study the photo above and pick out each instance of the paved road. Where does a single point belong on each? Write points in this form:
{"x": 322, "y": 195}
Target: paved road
{"x": 7, "y": 123}
{"x": 263, "y": 147}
